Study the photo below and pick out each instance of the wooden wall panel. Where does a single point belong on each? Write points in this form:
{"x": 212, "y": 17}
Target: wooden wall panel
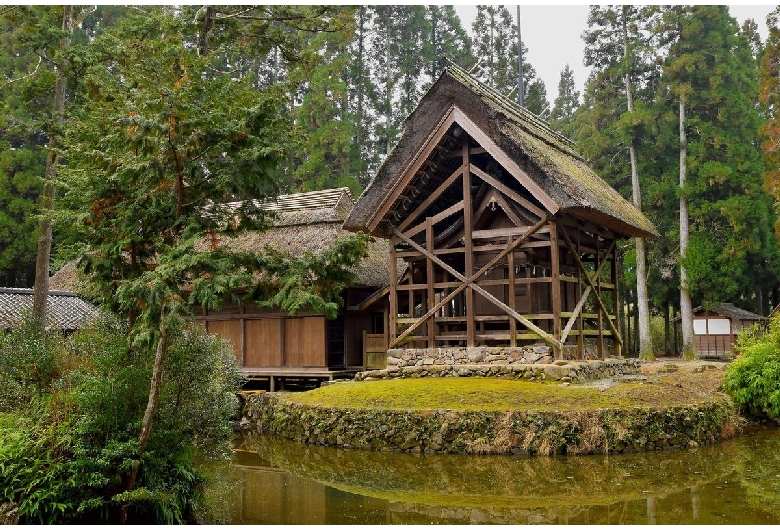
{"x": 354, "y": 326}
{"x": 230, "y": 330}
{"x": 263, "y": 342}
{"x": 304, "y": 342}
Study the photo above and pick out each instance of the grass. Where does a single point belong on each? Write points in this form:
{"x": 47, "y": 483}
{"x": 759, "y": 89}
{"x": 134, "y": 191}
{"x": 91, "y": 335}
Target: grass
{"x": 478, "y": 393}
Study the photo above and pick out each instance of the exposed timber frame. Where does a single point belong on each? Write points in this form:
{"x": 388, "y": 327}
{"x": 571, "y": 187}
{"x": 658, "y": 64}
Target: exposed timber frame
{"x": 507, "y": 236}
{"x": 549, "y": 289}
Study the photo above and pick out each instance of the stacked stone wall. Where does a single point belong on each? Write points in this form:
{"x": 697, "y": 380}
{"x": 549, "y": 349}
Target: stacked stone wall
{"x": 408, "y": 364}
{"x": 508, "y": 432}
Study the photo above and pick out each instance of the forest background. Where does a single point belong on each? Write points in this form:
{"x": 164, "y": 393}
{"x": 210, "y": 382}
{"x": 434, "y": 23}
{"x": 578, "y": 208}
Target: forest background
{"x": 347, "y": 91}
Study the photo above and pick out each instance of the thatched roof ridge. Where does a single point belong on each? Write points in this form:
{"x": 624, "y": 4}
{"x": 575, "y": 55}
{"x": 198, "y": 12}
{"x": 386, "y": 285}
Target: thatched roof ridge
{"x": 66, "y": 311}
{"x": 547, "y": 157}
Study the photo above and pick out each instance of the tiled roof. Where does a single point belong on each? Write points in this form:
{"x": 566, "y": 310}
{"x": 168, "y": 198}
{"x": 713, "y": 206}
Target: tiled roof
{"x": 66, "y": 310}
{"x": 728, "y": 310}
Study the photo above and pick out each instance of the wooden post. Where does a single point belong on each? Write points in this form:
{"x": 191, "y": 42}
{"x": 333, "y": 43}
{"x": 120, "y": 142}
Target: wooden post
{"x": 511, "y": 293}
{"x": 600, "y": 343}
{"x": 555, "y": 264}
{"x": 431, "y": 275}
{"x": 392, "y": 327}
{"x": 468, "y": 244}
{"x": 580, "y": 321}
{"x": 615, "y": 300}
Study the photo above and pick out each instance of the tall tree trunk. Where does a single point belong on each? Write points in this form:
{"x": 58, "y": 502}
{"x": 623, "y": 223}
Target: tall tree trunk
{"x": 642, "y": 300}
{"x": 686, "y": 308}
{"x": 151, "y": 408}
{"x": 41, "y": 287}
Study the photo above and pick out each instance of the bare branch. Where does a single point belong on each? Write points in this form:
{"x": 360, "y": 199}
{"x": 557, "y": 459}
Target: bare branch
{"x": 40, "y": 59}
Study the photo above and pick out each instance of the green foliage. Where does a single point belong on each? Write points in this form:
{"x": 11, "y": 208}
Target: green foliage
{"x": 65, "y": 459}
{"x": 34, "y": 472}
{"x": 311, "y": 281}
{"x": 753, "y": 378}
{"x": 28, "y": 366}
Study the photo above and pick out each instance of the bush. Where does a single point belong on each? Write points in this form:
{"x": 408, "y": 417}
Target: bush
{"x": 753, "y": 378}
{"x": 66, "y": 460}
{"x": 28, "y": 366}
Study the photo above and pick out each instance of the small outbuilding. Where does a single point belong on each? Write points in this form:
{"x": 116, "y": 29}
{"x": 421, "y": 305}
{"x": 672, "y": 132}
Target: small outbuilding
{"x": 66, "y": 311}
{"x": 716, "y": 329}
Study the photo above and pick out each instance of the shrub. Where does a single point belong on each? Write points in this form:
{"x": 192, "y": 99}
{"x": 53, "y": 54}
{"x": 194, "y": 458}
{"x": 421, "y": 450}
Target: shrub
{"x": 28, "y": 365}
{"x": 753, "y": 378}
{"x": 66, "y": 460}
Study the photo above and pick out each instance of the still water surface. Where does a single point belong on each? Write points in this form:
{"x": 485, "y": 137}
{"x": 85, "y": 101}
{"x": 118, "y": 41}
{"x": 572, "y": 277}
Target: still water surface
{"x": 274, "y": 481}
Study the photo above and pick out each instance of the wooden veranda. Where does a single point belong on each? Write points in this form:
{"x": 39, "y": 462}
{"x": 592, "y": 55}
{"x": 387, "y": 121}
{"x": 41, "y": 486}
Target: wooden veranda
{"x": 508, "y": 237}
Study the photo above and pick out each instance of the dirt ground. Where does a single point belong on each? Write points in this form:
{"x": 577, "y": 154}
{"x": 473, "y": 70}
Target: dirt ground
{"x": 698, "y": 375}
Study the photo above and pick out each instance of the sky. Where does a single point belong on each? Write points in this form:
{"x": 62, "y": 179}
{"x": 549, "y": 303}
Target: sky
{"x": 552, "y": 34}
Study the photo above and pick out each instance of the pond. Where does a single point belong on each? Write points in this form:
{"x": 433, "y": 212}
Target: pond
{"x": 273, "y": 481}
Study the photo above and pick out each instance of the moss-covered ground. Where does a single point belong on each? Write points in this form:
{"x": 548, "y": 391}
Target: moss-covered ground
{"x": 669, "y": 383}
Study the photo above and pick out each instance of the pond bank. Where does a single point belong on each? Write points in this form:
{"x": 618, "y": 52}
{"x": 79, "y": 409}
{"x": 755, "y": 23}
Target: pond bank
{"x": 665, "y": 408}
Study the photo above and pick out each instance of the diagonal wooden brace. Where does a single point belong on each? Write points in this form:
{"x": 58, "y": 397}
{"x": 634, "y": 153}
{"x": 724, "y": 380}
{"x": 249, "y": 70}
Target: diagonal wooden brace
{"x": 603, "y": 309}
{"x": 584, "y": 298}
{"x": 470, "y": 284}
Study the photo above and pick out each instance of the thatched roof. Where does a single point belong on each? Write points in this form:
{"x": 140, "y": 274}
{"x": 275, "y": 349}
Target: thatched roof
{"x": 541, "y": 163}
{"x": 302, "y": 222}
{"x": 311, "y": 222}
{"x": 66, "y": 311}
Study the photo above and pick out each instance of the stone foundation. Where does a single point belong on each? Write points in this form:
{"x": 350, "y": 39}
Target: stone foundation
{"x": 497, "y": 365}
{"x": 536, "y": 354}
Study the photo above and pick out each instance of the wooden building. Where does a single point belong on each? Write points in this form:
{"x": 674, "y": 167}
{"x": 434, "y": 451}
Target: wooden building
{"x": 507, "y": 235}
{"x": 271, "y": 344}
{"x": 716, "y": 329}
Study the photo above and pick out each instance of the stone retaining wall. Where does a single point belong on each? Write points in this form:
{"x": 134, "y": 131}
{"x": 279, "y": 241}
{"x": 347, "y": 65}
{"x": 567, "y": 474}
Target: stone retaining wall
{"x": 510, "y": 432}
{"x": 563, "y": 371}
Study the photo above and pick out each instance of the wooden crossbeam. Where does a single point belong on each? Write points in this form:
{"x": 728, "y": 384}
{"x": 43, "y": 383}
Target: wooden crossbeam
{"x": 470, "y": 284}
{"x": 588, "y": 279}
{"x": 432, "y": 197}
{"x": 584, "y": 297}
{"x": 455, "y": 208}
{"x": 506, "y": 190}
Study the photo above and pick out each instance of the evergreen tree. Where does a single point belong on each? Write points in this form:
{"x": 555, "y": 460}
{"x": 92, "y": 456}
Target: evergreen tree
{"x": 566, "y": 104}
{"x": 495, "y": 48}
{"x": 325, "y": 158}
{"x": 617, "y": 48}
{"x": 711, "y": 70}
{"x": 447, "y": 40}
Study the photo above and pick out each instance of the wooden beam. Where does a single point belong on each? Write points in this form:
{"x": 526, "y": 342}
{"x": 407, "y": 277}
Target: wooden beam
{"x": 458, "y": 154}
{"x": 503, "y": 232}
{"x": 444, "y": 186}
{"x": 507, "y": 163}
{"x": 506, "y": 190}
{"x": 511, "y": 293}
{"x": 583, "y": 297}
{"x": 555, "y": 290}
{"x": 455, "y": 208}
{"x": 470, "y": 284}
{"x": 468, "y": 243}
{"x": 600, "y": 302}
{"x": 437, "y": 133}
{"x": 392, "y": 328}
{"x": 430, "y": 274}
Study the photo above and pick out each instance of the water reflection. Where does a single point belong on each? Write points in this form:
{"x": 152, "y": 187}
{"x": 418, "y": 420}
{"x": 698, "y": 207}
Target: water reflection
{"x": 281, "y": 482}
